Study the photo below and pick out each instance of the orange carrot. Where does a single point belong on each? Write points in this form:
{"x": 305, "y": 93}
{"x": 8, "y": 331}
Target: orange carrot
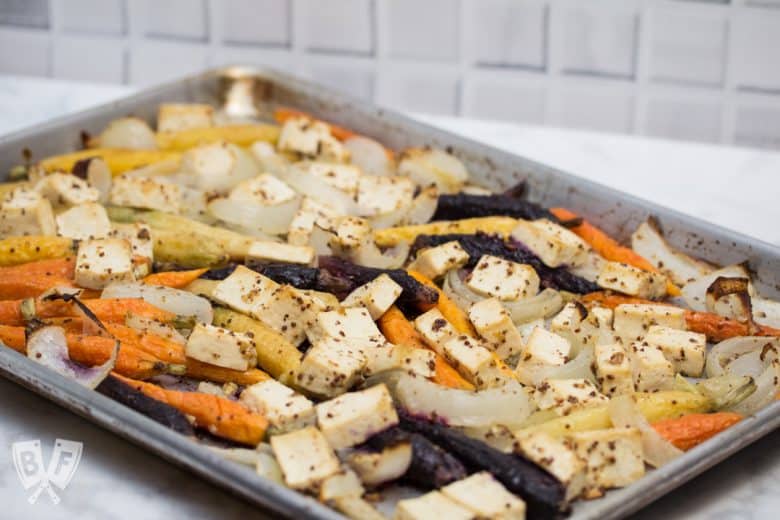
{"x": 691, "y": 430}
{"x": 33, "y": 278}
{"x": 608, "y": 247}
{"x": 63, "y": 267}
{"x": 220, "y": 416}
{"x": 110, "y": 310}
{"x": 13, "y": 337}
{"x": 446, "y": 306}
{"x": 397, "y": 329}
{"x": 200, "y": 370}
{"x": 157, "y": 346}
{"x": 174, "y": 279}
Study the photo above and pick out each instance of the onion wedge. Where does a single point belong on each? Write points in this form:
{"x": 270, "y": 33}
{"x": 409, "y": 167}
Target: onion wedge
{"x": 648, "y": 241}
{"x": 179, "y": 302}
{"x": 624, "y": 413}
{"x": 273, "y": 220}
{"x": 370, "y": 156}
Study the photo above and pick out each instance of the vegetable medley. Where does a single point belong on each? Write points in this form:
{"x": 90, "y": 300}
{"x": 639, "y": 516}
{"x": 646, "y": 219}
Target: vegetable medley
{"x": 341, "y": 316}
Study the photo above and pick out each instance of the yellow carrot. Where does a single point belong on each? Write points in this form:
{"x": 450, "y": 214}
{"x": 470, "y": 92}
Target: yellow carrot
{"x": 393, "y": 236}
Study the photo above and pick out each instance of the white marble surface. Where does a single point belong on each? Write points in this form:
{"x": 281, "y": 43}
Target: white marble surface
{"x": 734, "y": 187}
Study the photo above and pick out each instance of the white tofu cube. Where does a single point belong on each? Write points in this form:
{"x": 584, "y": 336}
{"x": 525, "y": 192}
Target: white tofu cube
{"x": 352, "y": 418}
{"x": 486, "y": 497}
{"x": 276, "y": 252}
{"x": 437, "y": 261}
{"x": 426, "y": 166}
{"x": 417, "y": 361}
{"x": 572, "y": 323}
{"x": 140, "y": 237}
{"x": 377, "y": 296}
{"x": 102, "y": 261}
{"x": 553, "y": 244}
{"x": 302, "y": 224}
{"x": 685, "y": 350}
{"x": 22, "y": 197}
{"x": 84, "y": 222}
{"x": 353, "y": 325}
{"x": 503, "y": 279}
{"x": 494, "y": 324}
{"x": 221, "y": 347}
{"x": 651, "y": 370}
{"x": 556, "y": 457}
{"x": 245, "y": 291}
{"x": 265, "y": 189}
{"x": 305, "y": 457}
{"x": 34, "y": 217}
{"x": 632, "y": 321}
{"x": 474, "y": 362}
{"x": 564, "y": 396}
{"x": 613, "y": 457}
{"x": 66, "y": 189}
{"x": 630, "y": 280}
{"x": 435, "y": 329}
{"x": 613, "y": 369}
{"x": 431, "y": 505}
{"x": 175, "y": 117}
{"x": 311, "y": 139}
{"x": 543, "y": 349}
{"x": 290, "y": 312}
{"x": 379, "y": 195}
{"x": 147, "y": 193}
{"x": 284, "y": 408}
{"x": 350, "y": 232}
{"x": 217, "y": 167}
{"x": 343, "y": 484}
{"x": 330, "y": 367}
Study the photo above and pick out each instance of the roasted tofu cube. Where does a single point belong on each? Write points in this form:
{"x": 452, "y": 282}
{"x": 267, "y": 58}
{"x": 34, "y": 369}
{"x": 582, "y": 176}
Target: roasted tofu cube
{"x": 435, "y": 329}
{"x": 174, "y": 117}
{"x": 352, "y": 418}
{"x": 613, "y": 369}
{"x": 139, "y": 235}
{"x": 307, "y": 215}
{"x": 435, "y": 262}
{"x": 343, "y": 484}
{"x": 543, "y": 349}
{"x": 84, "y": 222}
{"x": 102, "y": 261}
{"x": 613, "y": 457}
{"x": 265, "y": 189}
{"x": 350, "y": 232}
{"x": 494, "y": 324}
{"x": 503, "y": 279}
{"x": 218, "y": 167}
{"x": 33, "y": 217}
{"x": 417, "y": 361}
{"x": 378, "y": 195}
{"x": 377, "y": 296}
{"x": 553, "y": 244}
{"x": 330, "y": 367}
{"x": 146, "y": 193}
{"x": 284, "y": 408}
{"x": 685, "y": 350}
{"x": 431, "y": 505}
{"x": 630, "y": 280}
{"x": 651, "y": 370}
{"x": 221, "y": 347}
{"x": 344, "y": 177}
{"x": 427, "y": 166}
{"x": 572, "y": 323}
{"x": 291, "y": 312}
{"x": 305, "y": 457}
{"x": 563, "y": 396}
{"x": 632, "y": 321}
{"x": 602, "y": 319}
{"x": 556, "y": 457}
{"x": 311, "y": 139}
{"x": 486, "y": 497}
{"x": 474, "y": 362}
{"x": 276, "y": 252}
{"x": 245, "y": 291}
{"x": 66, "y": 189}
{"x": 353, "y": 325}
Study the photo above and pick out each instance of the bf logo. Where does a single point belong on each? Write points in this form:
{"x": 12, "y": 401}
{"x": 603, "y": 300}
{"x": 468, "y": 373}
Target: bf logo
{"x": 28, "y": 461}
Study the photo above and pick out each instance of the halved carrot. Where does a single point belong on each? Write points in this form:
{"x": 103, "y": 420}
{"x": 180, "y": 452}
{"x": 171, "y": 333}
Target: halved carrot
{"x": 157, "y": 346}
{"x": 220, "y": 416}
{"x": 448, "y": 308}
{"x": 174, "y": 279}
{"x": 30, "y": 286}
{"x": 109, "y": 310}
{"x": 200, "y": 370}
{"x": 64, "y": 267}
{"x": 397, "y": 329}
{"x": 608, "y": 247}
{"x": 691, "y": 430}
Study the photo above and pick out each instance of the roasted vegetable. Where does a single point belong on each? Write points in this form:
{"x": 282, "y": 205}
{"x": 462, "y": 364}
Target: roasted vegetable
{"x": 119, "y": 160}
{"x": 390, "y": 237}
{"x": 464, "y": 205}
{"x": 691, "y": 430}
{"x": 20, "y": 250}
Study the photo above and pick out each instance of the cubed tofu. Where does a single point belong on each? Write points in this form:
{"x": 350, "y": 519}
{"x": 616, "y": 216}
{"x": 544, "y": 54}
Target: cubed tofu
{"x": 275, "y": 252}
{"x": 563, "y": 396}
{"x": 221, "y": 347}
{"x": 311, "y": 139}
{"x": 139, "y": 235}
{"x": 378, "y": 195}
{"x": 285, "y": 409}
{"x": 435, "y": 329}
{"x": 613, "y": 457}
{"x": 632, "y": 321}
{"x": 353, "y": 325}
{"x": 651, "y": 370}
{"x": 474, "y": 362}
{"x": 66, "y": 189}
{"x": 435, "y": 262}
{"x": 553, "y": 244}
{"x": 350, "y": 232}
{"x": 426, "y": 166}
{"x": 330, "y": 367}
{"x": 377, "y": 296}
{"x": 102, "y": 261}
{"x": 494, "y": 324}
{"x": 503, "y": 279}
{"x": 630, "y": 280}
{"x": 146, "y": 193}
{"x": 34, "y": 218}
{"x": 543, "y": 349}
{"x": 602, "y": 318}
{"x": 572, "y": 323}
{"x": 613, "y": 369}
{"x": 414, "y": 360}
{"x": 431, "y": 505}
{"x": 217, "y": 167}
{"x": 174, "y": 117}
{"x": 305, "y": 457}
{"x": 307, "y": 215}
{"x": 22, "y": 198}
{"x": 556, "y": 457}
{"x": 352, "y": 418}
{"x": 265, "y": 189}
{"x": 343, "y": 484}
{"x": 291, "y": 312}
{"x": 84, "y": 222}
{"x": 486, "y": 497}
{"x": 685, "y": 350}
{"x": 344, "y": 177}
{"x": 245, "y": 291}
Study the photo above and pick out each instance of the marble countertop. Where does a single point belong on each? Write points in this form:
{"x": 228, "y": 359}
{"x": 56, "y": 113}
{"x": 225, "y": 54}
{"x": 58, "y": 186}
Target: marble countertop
{"x": 117, "y": 480}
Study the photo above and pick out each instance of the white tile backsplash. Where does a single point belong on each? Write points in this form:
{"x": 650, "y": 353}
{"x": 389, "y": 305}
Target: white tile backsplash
{"x": 32, "y": 48}
{"x": 339, "y": 26}
{"x": 90, "y": 59}
{"x": 178, "y": 19}
{"x": 355, "y": 80}
{"x": 419, "y": 89}
{"x": 425, "y": 30}
{"x": 757, "y": 50}
{"x": 259, "y": 22}
{"x": 153, "y": 62}
{"x": 691, "y": 120}
{"x": 505, "y": 100}
{"x": 758, "y": 126}
{"x": 93, "y": 16}
{"x": 507, "y": 33}
{"x": 589, "y": 107}
{"x": 25, "y": 13}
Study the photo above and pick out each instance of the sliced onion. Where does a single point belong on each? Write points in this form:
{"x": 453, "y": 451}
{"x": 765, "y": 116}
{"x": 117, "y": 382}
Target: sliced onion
{"x": 49, "y": 347}
{"x": 454, "y": 287}
{"x": 179, "y": 302}
{"x": 370, "y": 156}
{"x": 577, "y": 368}
{"x": 369, "y": 255}
{"x": 391, "y": 219}
{"x": 99, "y": 177}
{"x": 274, "y": 219}
{"x": 766, "y": 311}
{"x": 306, "y": 184}
{"x": 426, "y": 166}
{"x": 128, "y": 132}
{"x": 695, "y": 293}
{"x": 268, "y": 159}
{"x": 147, "y": 325}
{"x": 767, "y": 387}
{"x": 423, "y": 207}
{"x": 722, "y": 354}
{"x": 648, "y": 242}
{"x": 729, "y": 297}
{"x": 624, "y": 413}
{"x": 543, "y": 305}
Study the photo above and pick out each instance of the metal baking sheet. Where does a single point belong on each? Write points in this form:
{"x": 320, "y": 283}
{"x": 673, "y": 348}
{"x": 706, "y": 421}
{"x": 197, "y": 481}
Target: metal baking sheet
{"x": 259, "y": 90}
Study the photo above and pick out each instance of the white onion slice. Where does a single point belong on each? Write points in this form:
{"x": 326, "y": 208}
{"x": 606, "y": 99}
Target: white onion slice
{"x": 454, "y": 287}
{"x": 722, "y": 354}
{"x": 423, "y": 207}
{"x": 274, "y": 220}
{"x": 99, "y": 177}
{"x": 624, "y": 413}
{"x": 370, "y": 156}
{"x": 147, "y": 325}
{"x": 577, "y": 368}
{"x": 391, "y": 219}
{"x": 179, "y": 302}
{"x": 766, "y": 311}
{"x": 128, "y": 132}
{"x": 695, "y": 292}
{"x": 316, "y": 188}
{"x": 543, "y": 305}
{"x": 648, "y": 242}
{"x": 369, "y": 255}
{"x": 49, "y": 347}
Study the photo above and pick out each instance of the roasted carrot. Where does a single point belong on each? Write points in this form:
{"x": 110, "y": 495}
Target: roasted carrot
{"x": 26, "y": 286}
{"x": 157, "y": 346}
{"x": 21, "y": 250}
{"x": 110, "y": 310}
{"x": 174, "y": 279}
{"x": 220, "y": 416}
{"x": 63, "y": 267}
{"x": 608, "y": 247}
{"x": 199, "y": 370}
{"x": 13, "y": 337}
{"x": 448, "y": 308}
{"x": 691, "y": 430}
{"x": 397, "y": 329}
